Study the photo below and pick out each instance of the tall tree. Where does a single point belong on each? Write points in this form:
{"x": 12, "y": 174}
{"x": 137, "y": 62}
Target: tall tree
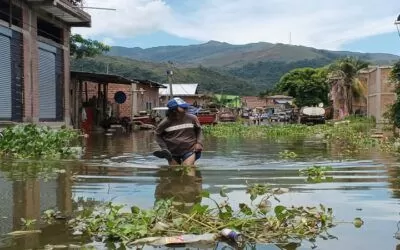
{"x": 345, "y": 87}
{"x": 81, "y": 47}
{"x": 308, "y": 86}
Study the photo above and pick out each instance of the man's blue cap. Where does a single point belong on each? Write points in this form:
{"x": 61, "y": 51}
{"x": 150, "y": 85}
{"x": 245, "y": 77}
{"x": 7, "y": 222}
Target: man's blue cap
{"x": 176, "y": 102}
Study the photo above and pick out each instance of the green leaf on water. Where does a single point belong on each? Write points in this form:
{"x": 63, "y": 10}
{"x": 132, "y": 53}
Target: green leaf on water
{"x": 358, "y": 222}
{"x": 222, "y": 192}
{"x": 135, "y": 210}
{"x": 199, "y": 209}
{"x": 245, "y": 209}
{"x": 205, "y": 194}
{"x": 280, "y": 212}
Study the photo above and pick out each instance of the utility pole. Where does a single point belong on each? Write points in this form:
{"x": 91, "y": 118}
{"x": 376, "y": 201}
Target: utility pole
{"x": 169, "y": 76}
{"x": 397, "y": 23}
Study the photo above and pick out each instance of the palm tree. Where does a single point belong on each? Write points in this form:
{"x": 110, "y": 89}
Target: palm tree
{"x": 345, "y": 87}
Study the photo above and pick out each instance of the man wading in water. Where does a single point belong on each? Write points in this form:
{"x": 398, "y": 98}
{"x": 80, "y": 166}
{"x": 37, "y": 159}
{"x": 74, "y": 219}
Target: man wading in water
{"x": 179, "y": 135}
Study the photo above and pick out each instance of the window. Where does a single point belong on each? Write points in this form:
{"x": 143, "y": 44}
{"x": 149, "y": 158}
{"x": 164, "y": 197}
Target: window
{"x": 148, "y": 105}
{"x": 49, "y": 31}
{"x": 16, "y": 13}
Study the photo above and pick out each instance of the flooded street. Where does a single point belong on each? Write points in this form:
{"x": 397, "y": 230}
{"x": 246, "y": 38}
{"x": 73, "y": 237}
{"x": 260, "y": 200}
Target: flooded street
{"x": 121, "y": 169}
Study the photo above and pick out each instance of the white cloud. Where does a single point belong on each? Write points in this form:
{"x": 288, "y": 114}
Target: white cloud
{"x": 131, "y": 18}
{"x": 317, "y": 23}
{"x": 108, "y": 41}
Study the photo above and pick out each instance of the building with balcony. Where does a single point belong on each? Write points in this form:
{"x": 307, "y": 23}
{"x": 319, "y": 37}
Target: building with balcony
{"x": 35, "y": 58}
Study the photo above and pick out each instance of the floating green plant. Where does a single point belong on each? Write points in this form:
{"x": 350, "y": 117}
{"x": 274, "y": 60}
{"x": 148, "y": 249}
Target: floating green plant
{"x": 257, "y": 220}
{"x": 316, "y": 173}
{"x": 33, "y": 141}
{"x": 286, "y": 154}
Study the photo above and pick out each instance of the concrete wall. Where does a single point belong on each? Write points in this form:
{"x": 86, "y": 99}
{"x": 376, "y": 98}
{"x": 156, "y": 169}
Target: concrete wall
{"x": 143, "y": 101}
{"x": 380, "y": 91}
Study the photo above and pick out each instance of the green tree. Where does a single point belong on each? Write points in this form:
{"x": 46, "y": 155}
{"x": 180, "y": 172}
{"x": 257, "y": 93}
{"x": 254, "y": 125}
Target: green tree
{"x": 343, "y": 79}
{"x": 268, "y": 92}
{"x": 308, "y": 86}
{"x": 81, "y": 47}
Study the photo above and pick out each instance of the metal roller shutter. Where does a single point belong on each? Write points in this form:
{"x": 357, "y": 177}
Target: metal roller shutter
{"x": 5, "y": 78}
{"x": 16, "y": 77}
{"x": 47, "y": 84}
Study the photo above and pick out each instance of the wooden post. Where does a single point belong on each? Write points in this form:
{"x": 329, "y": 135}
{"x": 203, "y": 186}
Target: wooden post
{"x": 86, "y": 93}
{"x": 80, "y": 106}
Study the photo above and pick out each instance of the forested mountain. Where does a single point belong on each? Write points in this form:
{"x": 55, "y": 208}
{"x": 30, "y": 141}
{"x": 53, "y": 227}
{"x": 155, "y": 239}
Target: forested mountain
{"x": 220, "y": 67}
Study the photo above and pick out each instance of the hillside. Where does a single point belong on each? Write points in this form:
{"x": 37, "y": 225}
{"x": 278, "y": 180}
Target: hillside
{"x": 261, "y": 65}
{"x": 225, "y": 55}
{"x": 208, "y": 79}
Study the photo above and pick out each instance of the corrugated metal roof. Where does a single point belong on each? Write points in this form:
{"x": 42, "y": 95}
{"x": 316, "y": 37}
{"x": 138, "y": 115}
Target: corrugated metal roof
{"x": 109, "y": 78}
{"x": 180, "y": 89}
{"x": 279, "y": 97}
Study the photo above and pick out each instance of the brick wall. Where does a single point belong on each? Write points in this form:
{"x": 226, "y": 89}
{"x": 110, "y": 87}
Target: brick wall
{"x": 125, "y": 108}
{"x": 67, "y": 79}
{"x": 254, "y": 101}
{"x": 31, "y": 65}
{"x": 149, "y": 98}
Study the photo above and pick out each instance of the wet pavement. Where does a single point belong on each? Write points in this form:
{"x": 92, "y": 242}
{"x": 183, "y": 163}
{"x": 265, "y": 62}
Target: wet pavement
{"x": 121, "y": 169}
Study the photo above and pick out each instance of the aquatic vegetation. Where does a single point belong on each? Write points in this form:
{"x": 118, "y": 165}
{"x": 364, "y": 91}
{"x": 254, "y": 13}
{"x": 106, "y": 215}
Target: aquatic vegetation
{"x": 351, "y": 136}
{"x": 241, "y": 130}
{"x": 257, "y": 221}
{"x": 33, "y": 141}
{"x": 286, "y": 154}
{"x": 316, "y": 173}
{"x": 28, "y": 224}
{"x": 358, "y": 222}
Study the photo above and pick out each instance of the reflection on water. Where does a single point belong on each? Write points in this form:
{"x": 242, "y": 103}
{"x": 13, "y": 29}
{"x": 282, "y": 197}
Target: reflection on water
{"x": 121, "y": 168}
{"x": 183, "y": 185}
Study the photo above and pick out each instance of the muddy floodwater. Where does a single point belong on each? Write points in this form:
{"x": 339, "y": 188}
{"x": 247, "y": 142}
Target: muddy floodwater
{"x": 121, "y": 169}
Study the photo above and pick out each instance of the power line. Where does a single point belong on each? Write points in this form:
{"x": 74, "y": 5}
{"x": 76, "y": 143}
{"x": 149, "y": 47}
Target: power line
{"x": 97, "y": 8}
{"x": 57, "y": 39}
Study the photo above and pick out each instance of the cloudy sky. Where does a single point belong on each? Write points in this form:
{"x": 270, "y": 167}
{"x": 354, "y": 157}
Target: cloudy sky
{"x": 358, "y": 25}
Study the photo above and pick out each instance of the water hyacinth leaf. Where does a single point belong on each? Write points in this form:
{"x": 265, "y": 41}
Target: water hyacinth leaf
{"x": 253, "y": 196}
{"x": 358, "y": 222}
{"x": 281, "y": 212}
{"x": 199, "y": 209}
{"x": 222, "y": 192}
{"x": 135, "y": 210}
{"x": 245, "y": 209}
{"x": 205, "y": 194}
